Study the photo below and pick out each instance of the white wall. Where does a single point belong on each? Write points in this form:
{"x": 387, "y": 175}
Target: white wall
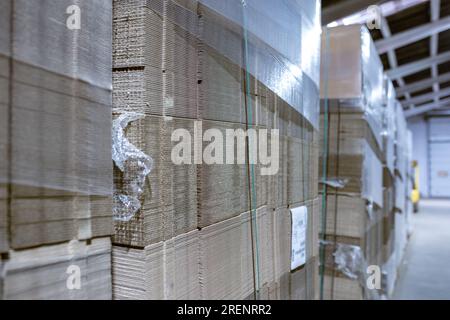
{"x": 419, "y": 128}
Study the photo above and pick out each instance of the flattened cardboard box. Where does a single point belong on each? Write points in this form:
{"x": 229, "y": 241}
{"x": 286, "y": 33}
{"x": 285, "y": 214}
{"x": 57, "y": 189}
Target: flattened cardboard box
{"x": 155, "y": 58}
{"x": 165, "y": 270}
{"x": 44, "y": 273}
{"x": 213, "y": 263}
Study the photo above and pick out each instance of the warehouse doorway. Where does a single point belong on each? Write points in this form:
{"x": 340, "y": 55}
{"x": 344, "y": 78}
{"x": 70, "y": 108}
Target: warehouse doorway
{"x": 439, "y": 157}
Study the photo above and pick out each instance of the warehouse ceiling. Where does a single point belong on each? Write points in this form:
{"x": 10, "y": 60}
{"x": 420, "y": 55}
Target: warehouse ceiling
{"x": 414, "y": 45}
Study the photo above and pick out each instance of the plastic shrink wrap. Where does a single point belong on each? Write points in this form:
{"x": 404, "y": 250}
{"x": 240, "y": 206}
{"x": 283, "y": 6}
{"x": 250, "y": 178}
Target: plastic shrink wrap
{"x": 60, "y": 124}
{"x": 389, "y": 136}
{"x": 389, "y": 125}
{"x": 55, "y": 166}
{"x": 401, "y": 184}
{"x": 352, "y": 73}
{"x": 221, "y": 65}
{"x": 352, "y": 128}
{"x": 5, "y": 54}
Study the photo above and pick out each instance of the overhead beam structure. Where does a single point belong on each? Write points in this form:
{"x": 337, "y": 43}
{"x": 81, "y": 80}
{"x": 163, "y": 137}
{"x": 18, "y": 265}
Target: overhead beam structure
{"x": 427, "y": 108}
{"x": 423, "y": 84}
{"x": 417, "y": 66}
{"x": 426, "y": 97}
{"x": 434, "y": 43}
{"x": 412, "y": 35}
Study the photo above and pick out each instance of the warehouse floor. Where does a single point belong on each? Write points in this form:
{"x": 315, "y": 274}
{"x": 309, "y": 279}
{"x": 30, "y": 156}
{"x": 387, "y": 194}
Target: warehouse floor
{"x": 426, "y": 265}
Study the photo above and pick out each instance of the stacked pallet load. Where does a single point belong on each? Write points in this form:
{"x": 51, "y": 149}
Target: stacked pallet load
{"x": 401, "y": 179}
{"x": 5, "y": 56}
{"x": 351, "y": 162}
{"x": 56, "y": 186}
{"x": 388, "y": 135}
{"x": 195, "y": 218}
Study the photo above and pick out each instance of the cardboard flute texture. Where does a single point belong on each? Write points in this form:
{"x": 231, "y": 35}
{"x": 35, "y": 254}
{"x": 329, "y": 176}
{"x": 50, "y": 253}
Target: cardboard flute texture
{"x": 216, "y": 262}
{"x": 354, "y": 213}
{"x": 44, "y": 273}
{"x": 60, "y": 120}
{"x": 5, "y": 53}
{"x": 55, "y": 150}
{"x": 155, "y": 272}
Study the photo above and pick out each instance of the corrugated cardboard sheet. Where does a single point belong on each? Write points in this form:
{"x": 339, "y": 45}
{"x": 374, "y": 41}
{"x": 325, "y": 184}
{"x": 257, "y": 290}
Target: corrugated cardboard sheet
{"x": 55, "y": 149}
{"x": 60, "y": 124}
{"x": 44, "y": 273}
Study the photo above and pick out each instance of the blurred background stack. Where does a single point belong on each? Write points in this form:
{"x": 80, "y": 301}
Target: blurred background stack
{"x": 352, "y": 161}
{"x": 215, "y": 231}
{"x": 388, "y": 135}
{"x": 366, "y": 175}
{"x": 402, "y": 184}
{"x": 56, "y": 156}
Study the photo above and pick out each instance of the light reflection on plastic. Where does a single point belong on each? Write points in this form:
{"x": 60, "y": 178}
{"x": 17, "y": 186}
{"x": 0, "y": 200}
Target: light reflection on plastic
{"x": 287, "y": 80}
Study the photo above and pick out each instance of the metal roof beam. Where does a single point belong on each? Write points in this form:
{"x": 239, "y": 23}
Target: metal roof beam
{"x": 412, "y": 35}
{"x": 423, "y": 84}
{"x": 439, "y": 112}
{"x": 411, "y": 68}
{"x": 434, "y": 42}
{"x": 427, "y": 108}
{"x": 392, "y": 57}
{"x": 426, "y": 97}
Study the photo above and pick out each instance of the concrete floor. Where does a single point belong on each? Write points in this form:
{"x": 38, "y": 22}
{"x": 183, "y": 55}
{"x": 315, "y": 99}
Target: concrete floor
{"x": 425, "y": 273}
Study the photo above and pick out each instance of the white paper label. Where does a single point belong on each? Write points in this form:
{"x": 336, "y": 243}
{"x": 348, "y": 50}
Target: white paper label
{"x": 298, "y": 242}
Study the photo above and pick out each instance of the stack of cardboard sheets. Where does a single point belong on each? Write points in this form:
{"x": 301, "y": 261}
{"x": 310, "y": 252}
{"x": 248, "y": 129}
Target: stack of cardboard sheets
{"x": 352, "y": 171}
{"x": 5, "y": 53}
{"x": 202, "y": 228}
{"x": 56, "y": 184}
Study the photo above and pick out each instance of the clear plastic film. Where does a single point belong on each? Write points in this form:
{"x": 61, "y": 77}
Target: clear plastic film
{"x": 283, "y": 47}
{"x": 352, "y": 73}
{"x": 349, "y": 260}
{"x": 338, "y": 183}
{"x": 61, "y": 98}
{"x": 400, "y": 194}
{"x": 400, "y": 141}
{"x": 409, "y": 152}
{"x": 5, "y": 23}
{"x": 60, "y": 44}
{"x": 389, "y": 275}
{"x": 389, "y": 126}
{"x": 5, "y": 52}
{"x": 372, "y": 177}
{"x": 369, "y": 210}
{"x": 134, "y": 164}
